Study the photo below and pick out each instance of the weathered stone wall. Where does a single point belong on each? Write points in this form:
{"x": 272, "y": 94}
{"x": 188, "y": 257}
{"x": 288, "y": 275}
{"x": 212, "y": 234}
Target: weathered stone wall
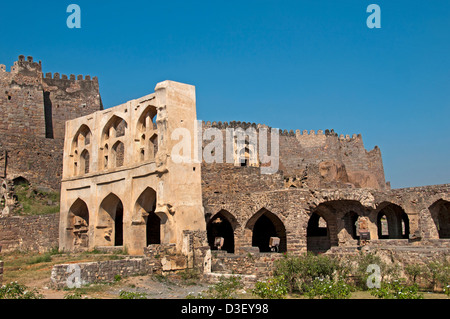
{"x": 254, "y": 263}
{"x": 69, "y": 98}
{"x": 38, "y": 160}
{"x": 292, "y": 209}
{"x": 38, "y": 233}
{"x": 312, "y": 160}
{"x": 34, "y": 109}
{"x": 102, "y": 271}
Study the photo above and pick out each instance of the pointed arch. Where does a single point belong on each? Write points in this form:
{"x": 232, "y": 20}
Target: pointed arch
{"x": 392, "y": 222}
{"x": 84, "y": 162}
{"x": 78, "y": 223}
{"x": 117, "y": 155}
{"x": 147, "y": 133}
{"x": 222, "y": 224}
{"x": 114, "y": 128}
{"x": 82, "y": 137}
{"x": 440, "y": 213}
{"x": 145, "y": 207}
{"x": 110, "y": 219}
{"x": 264, "y": 224}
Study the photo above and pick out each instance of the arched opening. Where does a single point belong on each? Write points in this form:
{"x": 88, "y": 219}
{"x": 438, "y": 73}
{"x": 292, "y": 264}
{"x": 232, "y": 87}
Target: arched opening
{"x": 80, "y": 150}
{"x": 147, "y": 128}
{"x": 116, "y": 127}
{"x": 264, "y": 226}
{"x": 79, "y": 224}
{"x": 440, "y": 212}
{"x": 111, "y": 220}
{"x": 153, "y": 146}
{"x": 392, "y": 223}
{"x": 145, "y": 207}
{"x": 220, "y": 226}
{"x": 21, "y": 181}
{"x": 84, "y": 162}
{"x": 317, "y": 234}
{"x": 118, "y": 154}
{"x": 112, "y": 134}
{"x": 153, "y": 229}
{"x": 350, "y": 224}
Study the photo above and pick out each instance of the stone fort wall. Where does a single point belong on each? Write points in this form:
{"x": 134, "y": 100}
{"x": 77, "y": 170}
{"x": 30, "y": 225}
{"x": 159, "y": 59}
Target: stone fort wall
{"x": 306, "y": 160}
{"x": 34, "y": 109}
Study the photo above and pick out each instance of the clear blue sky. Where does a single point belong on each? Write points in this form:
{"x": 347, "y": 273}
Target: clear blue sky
{"x": 288, "y": 64}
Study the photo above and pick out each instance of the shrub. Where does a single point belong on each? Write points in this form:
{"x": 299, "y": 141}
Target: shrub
{"x": 363, "y": 260}
{"x": 289, "y": 268}
{"x": 132, "y": 295}
{"x": 300, "y": 271}
{"x": 397, "y": 289}
{"x": 446, "y": 290}
{"x": 325, "y": 288}
{"x": 438, "y": 273}
{"x": 273, "y": 288}
{"x": 14, "y": 290}
{"x": 414, "y": 271}
{"x": 226, "y": 288}
{"x": 75, "y": 295}
{"x": 190, "y": 276}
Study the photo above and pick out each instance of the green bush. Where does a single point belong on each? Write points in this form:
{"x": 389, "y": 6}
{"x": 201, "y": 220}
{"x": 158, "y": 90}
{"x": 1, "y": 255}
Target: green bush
{"x": 132, "y": 295}
{"x": 226, "y": 288}
{"x": 438, "y": 273}
{"x": 75, "y": 295}
{"x": 272, "y": 288}
{"x": 325, "y": 288}
{"x": 300, "y": 271}
{"x": 446, "y": 290}
{"x": 14, "y": 290}
{"x": 397, "y": 289}
{"x": 363, "y": 260}
{"x": 415, "y": 271}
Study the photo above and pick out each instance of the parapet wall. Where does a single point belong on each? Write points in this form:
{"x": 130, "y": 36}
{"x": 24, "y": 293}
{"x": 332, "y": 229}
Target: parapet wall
{"x": 307, "y": 159}
{"x": 35, "y": 233}
{"x": 102, "y": 271}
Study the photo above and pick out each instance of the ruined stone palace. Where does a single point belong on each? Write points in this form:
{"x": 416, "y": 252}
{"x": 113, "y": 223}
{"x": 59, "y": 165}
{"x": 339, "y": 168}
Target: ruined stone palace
{"x": 122, "y": 187}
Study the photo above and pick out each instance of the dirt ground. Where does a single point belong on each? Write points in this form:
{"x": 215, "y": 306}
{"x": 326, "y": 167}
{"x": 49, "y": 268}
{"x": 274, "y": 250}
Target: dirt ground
{"x": 34, "y": 271}
{"x": 153, "y": 288}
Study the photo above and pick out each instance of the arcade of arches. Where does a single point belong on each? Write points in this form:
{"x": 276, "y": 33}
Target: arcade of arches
{"x": 329, "y": 224}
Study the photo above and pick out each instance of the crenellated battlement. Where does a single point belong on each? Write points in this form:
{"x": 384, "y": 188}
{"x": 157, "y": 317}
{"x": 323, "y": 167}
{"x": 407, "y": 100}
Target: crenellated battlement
{"x": 297, "y": 133}
{"x": 27, "y": 64}
{"x": 71, "y": 77}
{"x": 29, "y": 67}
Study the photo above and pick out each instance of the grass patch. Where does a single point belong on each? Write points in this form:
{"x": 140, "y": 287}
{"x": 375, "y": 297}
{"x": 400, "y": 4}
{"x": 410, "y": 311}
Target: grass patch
{"x": 36, "y": 202}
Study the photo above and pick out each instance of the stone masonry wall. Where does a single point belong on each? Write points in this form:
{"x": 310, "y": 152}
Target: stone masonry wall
{"x": 102, "y": 271}
{"x": 37, "y": 233}
{"x": 34, "y": 109}
{"x": 308, "y": 159}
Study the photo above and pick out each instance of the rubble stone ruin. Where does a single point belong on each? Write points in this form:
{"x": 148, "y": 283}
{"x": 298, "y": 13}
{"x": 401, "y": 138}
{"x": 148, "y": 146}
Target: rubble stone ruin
{"x": 123, "y": 187}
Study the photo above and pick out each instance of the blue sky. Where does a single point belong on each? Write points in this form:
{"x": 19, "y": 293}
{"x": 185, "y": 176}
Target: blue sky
{"x": 288, "y": 64}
